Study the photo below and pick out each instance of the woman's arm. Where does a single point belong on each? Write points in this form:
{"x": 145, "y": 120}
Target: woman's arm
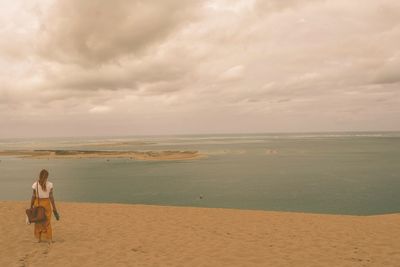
{"x": 53, "y": 203}
{"x": 33, "y": 198}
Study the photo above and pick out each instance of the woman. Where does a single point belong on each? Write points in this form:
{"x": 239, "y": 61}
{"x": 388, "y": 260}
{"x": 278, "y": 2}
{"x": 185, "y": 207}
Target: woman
{"x": 43, "y": 195}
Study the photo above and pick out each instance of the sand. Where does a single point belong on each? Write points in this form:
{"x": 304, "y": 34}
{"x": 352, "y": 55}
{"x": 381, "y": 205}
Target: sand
{"x": 140, "y": 235}
{"x": 116, "y": 144}
{"x": 82, "y": 154}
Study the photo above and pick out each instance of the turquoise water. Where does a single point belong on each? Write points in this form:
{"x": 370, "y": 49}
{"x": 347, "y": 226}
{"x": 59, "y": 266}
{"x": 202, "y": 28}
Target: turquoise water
{"x": 340, "y": 173}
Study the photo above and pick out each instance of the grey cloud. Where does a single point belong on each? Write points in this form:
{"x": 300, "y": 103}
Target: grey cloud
{"x": 265, "y": 7}
{"x": 113, "y": 77}
{"x": 389, "y": 72}
{"x": 161, "y": 88}
{"x": 104, "y": 45}
{"x": 93, "y": 32}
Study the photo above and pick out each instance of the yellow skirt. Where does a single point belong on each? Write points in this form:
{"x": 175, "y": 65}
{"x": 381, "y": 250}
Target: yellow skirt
{"x": 43, "y": 229}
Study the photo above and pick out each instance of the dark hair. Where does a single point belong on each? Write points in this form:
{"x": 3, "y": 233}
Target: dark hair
{"x": 43, "y": 178}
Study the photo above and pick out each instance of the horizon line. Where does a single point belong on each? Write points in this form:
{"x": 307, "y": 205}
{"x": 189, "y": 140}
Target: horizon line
{"x": 204, "y": 134}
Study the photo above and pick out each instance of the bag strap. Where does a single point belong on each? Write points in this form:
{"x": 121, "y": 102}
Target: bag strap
{"x": 37, "y": 192}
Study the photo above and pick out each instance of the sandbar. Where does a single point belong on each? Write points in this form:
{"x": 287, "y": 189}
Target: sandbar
{"x": 79, "y": 154}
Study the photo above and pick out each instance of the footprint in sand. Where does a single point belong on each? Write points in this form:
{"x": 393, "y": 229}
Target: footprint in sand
{"x": 138, "y": 249}
{"x": 24, "y": 261}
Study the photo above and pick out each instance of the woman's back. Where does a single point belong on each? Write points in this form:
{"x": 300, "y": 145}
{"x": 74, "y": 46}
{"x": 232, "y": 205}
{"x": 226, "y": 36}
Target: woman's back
{"x": 43, "y": 193}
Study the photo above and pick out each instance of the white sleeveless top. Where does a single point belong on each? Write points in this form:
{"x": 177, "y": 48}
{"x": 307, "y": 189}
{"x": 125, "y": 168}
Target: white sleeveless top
{"x": 43, "y": 194}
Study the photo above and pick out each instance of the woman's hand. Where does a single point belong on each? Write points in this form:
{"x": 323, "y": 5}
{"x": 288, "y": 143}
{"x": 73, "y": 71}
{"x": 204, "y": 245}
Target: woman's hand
{"x": 55, "y": 212}
{"x": 33, "y": 199}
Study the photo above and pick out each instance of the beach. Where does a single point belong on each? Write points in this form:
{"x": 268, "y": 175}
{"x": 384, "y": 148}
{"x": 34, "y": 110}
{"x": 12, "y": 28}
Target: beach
{"x": 91, "y": 234}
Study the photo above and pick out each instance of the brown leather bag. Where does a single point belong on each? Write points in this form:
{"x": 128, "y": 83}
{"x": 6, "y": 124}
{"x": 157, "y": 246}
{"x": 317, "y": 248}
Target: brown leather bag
{"x": 36, "y": 214}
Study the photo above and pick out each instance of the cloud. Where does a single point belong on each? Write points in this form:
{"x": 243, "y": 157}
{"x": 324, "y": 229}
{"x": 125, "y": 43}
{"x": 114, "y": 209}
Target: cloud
{"x": 80, "y": 46}
{"x": 389, "y": 72}
{"x": 126, "y": 75}
{"x": 99, "y": 109}
{"x": 232, "y": 74}
{"x": 265, "y": 7}
{"x": 96, "y": 32}
{"x": 200, "y": 66}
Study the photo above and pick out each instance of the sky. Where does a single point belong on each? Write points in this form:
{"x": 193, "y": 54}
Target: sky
{"x": 130, "y": 67}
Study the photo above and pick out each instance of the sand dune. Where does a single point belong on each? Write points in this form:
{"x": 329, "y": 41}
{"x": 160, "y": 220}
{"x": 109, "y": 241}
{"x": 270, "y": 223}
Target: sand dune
{"x": 138, "y": 235}
{"x": 79, "y": 154}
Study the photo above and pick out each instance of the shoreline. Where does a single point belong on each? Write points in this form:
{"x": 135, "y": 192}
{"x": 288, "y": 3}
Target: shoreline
{"x": 93, "y": 234}
{"x": 213, "y": 208}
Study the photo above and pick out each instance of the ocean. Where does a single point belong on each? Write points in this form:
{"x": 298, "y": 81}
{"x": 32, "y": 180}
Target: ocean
{"x": 334, "y": 173}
